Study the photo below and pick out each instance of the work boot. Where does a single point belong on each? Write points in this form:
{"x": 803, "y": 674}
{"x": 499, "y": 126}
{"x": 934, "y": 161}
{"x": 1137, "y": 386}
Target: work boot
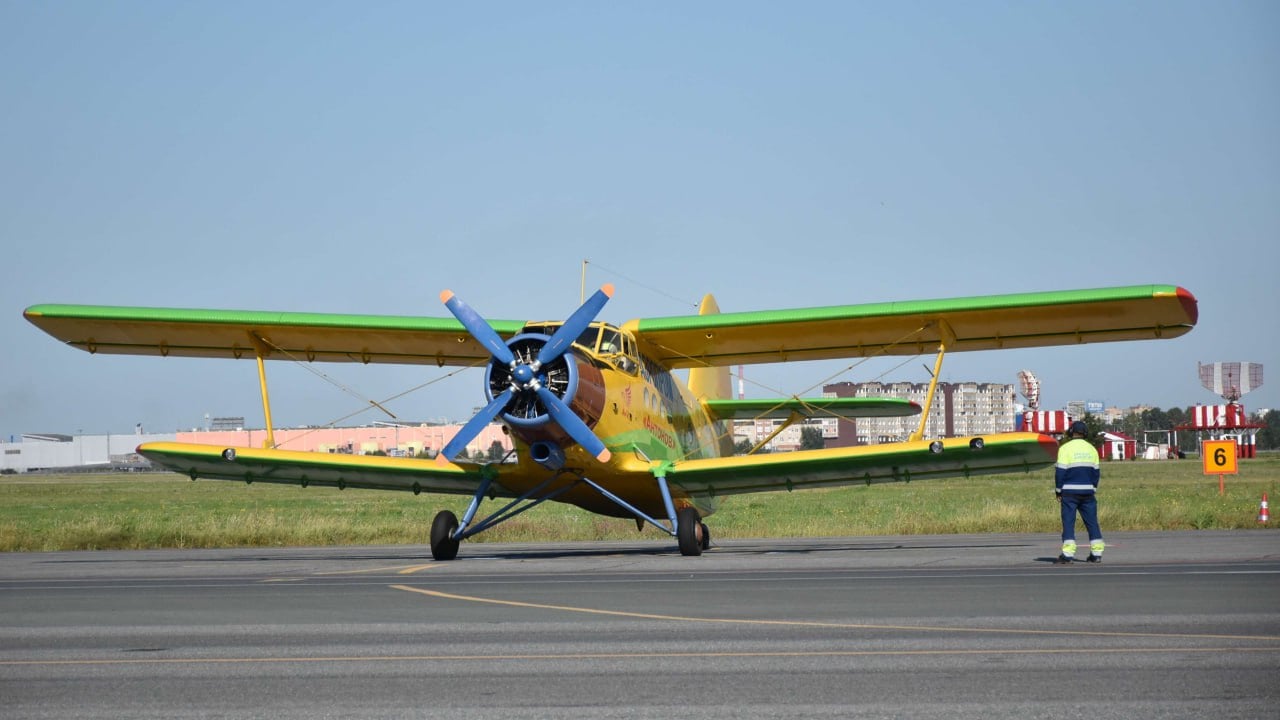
{"x": 1094, "y": 558}
{"x": 1064, "y": 560}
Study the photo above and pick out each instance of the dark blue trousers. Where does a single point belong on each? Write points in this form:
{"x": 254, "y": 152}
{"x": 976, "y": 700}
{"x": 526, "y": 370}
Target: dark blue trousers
{"x": 1087, "y": 506}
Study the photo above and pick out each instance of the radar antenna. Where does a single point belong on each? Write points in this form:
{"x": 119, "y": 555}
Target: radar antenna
{"x": 1030, "y": 388}
{"x": 1230, "y": 380}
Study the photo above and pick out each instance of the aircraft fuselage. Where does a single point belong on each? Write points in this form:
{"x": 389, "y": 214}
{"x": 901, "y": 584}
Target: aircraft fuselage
{"x": 644, "y": 413}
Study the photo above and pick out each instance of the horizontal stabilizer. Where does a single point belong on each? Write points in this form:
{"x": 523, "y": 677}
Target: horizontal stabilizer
{"x": 779, "y": 408}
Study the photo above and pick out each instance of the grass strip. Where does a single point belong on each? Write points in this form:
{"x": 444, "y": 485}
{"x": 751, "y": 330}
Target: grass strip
{"x": 162, "y": 510}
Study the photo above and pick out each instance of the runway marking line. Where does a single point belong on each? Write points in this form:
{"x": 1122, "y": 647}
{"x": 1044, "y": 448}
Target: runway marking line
{"x": 631, "y": 656}
{"x": 817, "y": 624}
{"x": 398, "y": 569}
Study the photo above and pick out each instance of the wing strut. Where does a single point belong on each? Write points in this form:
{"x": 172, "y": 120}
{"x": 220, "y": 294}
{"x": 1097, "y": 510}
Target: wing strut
{"x": 261, "y": 350}
{"x": 948, "y": 338}
{"x": 791, "y": 420}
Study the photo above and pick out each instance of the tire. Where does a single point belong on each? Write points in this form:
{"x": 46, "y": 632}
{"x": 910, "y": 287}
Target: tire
{"x": 689, "y": 532}
{"x": 443, "y": 546}
{"x": 706, "y": 537}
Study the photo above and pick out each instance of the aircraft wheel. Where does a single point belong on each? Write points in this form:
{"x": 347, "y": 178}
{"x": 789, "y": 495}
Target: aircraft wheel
{"x": 443, "y": 546}
{"x": 689, "y": 531}
{"x": 706, "y": 537}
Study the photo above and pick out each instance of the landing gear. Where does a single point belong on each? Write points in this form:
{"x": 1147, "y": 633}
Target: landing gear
{"x": 443, "y": 546}
{"x": 690, "y": 532}
{"x": 706, "y": 536}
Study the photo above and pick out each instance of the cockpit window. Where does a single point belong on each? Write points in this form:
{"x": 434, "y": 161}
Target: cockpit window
{"x": 588, "y": 338}
{"x": 619, "y": 349}
{"x": 610, "y": 342}
{"x": 602, "y": 339}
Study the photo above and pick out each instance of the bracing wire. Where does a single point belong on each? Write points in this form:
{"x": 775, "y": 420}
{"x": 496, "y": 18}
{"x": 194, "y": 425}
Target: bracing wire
{"x": 882, "y": 351}
{"x": 650, "y": 288}
{"x": 370, "y": 404}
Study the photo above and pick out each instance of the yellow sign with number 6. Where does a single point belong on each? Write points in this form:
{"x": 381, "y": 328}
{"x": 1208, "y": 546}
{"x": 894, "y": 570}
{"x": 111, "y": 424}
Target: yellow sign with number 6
{"x": 1219, "y": 457}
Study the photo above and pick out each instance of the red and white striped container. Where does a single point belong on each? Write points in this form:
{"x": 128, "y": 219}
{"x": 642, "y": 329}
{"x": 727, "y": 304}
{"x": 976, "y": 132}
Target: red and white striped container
{"x": 1046, "y": 421}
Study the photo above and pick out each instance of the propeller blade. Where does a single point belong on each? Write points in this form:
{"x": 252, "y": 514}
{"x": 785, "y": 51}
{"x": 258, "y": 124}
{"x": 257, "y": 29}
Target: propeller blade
{"x": 572, "y": 424}
{"x": 574, "y": 326}
{"x": 473, "y": 427}
{"x": 479, "y": 329}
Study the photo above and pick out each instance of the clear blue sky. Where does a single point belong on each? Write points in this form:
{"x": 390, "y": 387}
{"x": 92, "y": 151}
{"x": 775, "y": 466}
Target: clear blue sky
{"x": 361, "y": 157}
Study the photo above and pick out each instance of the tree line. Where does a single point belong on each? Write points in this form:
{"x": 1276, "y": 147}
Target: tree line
{"x": 1133, "y": 424}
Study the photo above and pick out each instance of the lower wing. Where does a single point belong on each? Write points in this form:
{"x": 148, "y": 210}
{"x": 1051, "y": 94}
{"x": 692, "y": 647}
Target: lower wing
{"x": 342, "y": 471}
{"x": 866, "y": 464}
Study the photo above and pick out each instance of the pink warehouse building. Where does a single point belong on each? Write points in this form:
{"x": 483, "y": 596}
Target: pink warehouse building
{"x": 393, "y": 440}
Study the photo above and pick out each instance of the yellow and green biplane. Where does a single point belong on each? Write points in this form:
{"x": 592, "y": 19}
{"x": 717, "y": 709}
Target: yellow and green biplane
{"x": 596, "y": 415}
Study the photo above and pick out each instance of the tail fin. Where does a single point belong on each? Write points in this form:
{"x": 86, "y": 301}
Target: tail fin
{"x": 710, "y": 383}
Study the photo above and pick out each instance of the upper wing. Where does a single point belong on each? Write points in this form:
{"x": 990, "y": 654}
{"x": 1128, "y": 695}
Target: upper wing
{"x": 281, "y": 335}
{"x": 855, "y": 407}
{"x": 1001, "y": 453}
{"x": 310, "y": 468}
{"x": 901, "y": 328}
{"x": 989, "y": 322}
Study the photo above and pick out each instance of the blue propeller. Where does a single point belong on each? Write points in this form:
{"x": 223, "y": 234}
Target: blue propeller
{"x": 525, "y": 378}
{"x": 572, "y": 424}
{"x": 475, "y": 425}
{"x": 479, "y": 329}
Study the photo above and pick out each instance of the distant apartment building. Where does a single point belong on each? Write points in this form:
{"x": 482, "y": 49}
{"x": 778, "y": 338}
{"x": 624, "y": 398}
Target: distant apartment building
{"x": 790, "y": 438}
{"x": 960, "y": 409}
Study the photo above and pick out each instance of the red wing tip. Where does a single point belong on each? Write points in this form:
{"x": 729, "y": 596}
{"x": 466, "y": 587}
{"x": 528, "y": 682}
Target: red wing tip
{"x": 1049, "y": 444}
{"x": 1189, "y": 304}
{"x": 604, "y": 455}
{"x": 446, "y": 296}
{"x": 607, "y": 289}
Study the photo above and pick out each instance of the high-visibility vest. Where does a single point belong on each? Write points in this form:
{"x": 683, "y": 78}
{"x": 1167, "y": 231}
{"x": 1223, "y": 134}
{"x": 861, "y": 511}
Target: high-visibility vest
{"x": 1077, "y": 470}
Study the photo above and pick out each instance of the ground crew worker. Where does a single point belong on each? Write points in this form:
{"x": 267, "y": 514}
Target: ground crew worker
{"x": 1076, "y": 479}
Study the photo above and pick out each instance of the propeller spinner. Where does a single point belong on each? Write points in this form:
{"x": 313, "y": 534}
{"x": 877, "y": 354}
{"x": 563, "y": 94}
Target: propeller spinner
{"x": 529, "y": 367}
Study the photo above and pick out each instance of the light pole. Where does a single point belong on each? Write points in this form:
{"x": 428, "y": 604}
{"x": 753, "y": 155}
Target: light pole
{"x": 396, "y": 425}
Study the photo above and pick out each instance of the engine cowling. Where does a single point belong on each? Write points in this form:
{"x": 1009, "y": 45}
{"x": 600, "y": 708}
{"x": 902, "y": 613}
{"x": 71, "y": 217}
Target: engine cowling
{"x": 578, "y": 383}
{"x": 532, "y": 383}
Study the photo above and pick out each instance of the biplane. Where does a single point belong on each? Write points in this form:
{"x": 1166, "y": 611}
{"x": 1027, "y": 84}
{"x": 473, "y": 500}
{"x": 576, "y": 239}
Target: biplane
{"x": 599, "y": 415}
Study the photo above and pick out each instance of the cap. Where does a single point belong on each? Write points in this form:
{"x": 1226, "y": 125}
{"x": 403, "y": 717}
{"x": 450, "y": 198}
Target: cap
{"x": 1079, "y": 428}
